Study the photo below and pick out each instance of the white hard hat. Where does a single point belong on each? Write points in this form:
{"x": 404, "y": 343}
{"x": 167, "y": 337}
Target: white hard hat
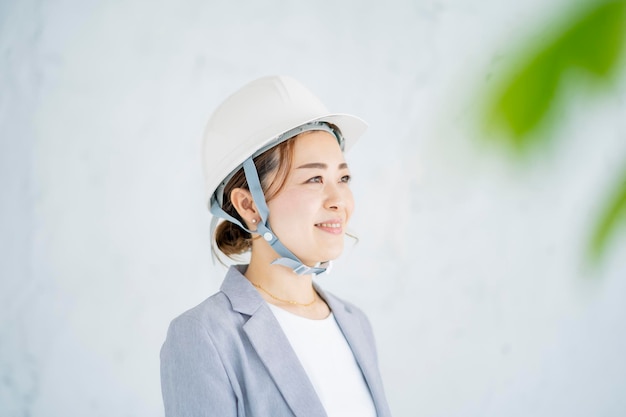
{"x": 256, "y": 118}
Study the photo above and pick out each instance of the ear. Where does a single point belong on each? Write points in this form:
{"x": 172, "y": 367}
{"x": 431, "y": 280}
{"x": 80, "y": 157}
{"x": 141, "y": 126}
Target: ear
{"x": 244, "y": 204}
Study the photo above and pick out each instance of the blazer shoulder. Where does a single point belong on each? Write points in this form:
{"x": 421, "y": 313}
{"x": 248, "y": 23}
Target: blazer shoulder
{"x": 215, "y": 311}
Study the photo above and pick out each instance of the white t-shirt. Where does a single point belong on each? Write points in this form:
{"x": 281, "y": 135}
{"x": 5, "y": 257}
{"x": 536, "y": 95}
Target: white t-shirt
{"x": 329, "y": 363}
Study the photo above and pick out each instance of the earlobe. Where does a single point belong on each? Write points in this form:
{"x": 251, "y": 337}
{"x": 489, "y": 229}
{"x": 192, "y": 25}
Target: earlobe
{"x": 243, "y": 202}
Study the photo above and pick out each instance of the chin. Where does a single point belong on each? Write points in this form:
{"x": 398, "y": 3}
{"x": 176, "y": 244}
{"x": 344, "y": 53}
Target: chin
{"x": 323, "y": 257}
{"x": 320, "y": 253}
{"x": 331, "y": 256}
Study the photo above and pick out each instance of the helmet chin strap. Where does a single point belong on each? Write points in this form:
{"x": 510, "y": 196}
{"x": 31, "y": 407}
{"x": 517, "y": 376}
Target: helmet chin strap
{"x": 287, "y": 258}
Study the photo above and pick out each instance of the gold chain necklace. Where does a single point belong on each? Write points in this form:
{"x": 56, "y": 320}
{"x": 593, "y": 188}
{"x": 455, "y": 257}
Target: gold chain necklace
{"x": 295, "y": 303}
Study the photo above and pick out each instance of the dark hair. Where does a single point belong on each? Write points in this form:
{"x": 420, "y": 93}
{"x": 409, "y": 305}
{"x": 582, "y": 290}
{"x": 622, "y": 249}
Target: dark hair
{"x": 273, "y": 166}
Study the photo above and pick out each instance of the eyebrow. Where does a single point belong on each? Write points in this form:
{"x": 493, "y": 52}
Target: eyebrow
{"x": 320, "y": 165}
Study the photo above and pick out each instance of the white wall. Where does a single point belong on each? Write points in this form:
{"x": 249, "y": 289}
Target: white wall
{"x": 470, "y": 267}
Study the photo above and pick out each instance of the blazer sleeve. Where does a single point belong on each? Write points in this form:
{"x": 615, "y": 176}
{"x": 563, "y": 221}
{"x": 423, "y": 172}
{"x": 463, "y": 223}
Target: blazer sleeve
{"x": 194, "y": 381}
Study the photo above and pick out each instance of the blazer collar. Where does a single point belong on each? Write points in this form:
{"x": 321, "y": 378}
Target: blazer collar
{"x": 244, "y": 298}
{"x": 272, "y": 346}
{"x": 274, "y": 349}
{"x": 362, "y": 347}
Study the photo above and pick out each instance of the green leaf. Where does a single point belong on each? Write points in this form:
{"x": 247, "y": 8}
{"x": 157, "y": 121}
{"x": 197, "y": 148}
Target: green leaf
{"x": 591, "y": 42}
{"x": 613, "y": 215}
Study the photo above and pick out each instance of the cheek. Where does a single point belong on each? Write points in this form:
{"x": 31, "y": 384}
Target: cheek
{"x": 349, "y": 204}
{"x": 286, "y": 202}
{"x": 288, "y": 206}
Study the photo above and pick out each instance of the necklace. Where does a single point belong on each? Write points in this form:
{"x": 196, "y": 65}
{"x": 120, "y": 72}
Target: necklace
{"x": 295, "y": 303}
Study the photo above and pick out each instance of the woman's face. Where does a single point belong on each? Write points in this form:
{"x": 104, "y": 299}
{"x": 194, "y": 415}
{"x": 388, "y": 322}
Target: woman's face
{"x": 310, "y": 214}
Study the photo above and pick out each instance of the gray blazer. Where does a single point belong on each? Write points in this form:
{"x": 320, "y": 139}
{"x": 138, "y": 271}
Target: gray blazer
{"x": 228, "y": 357}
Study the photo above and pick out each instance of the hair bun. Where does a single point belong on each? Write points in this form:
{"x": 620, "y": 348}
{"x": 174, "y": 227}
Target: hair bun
{"x": 232, "y": 239}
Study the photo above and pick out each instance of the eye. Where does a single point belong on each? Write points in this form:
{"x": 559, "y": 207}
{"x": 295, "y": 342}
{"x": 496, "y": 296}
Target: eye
{"x": 317, "y": 179}
{"x": 346, "y": 179}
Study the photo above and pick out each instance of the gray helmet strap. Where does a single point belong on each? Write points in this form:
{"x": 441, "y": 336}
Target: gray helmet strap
{"x": 287, "y": 258}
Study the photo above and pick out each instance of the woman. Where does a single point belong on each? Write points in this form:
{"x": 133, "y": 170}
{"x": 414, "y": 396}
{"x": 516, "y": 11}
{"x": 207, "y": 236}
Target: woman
{"x": 271, "y": 343}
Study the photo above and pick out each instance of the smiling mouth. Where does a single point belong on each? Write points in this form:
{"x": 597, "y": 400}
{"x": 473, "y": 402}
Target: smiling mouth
{"x": 331, "y": 227}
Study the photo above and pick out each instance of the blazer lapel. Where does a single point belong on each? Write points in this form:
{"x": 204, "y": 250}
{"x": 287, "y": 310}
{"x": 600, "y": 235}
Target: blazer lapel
{"x": 362, "y": 347}
{"x": 271, "y": 344}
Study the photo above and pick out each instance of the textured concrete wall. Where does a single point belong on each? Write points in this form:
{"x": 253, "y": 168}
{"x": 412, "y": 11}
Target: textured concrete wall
{"x": 470, "y": 267}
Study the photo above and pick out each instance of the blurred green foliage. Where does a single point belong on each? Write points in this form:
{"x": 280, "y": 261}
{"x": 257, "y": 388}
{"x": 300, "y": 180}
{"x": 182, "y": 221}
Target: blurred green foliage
{"x": 614, "y": 214}
{"x": 586, "y": 43}
{"x": 587, "y": 47}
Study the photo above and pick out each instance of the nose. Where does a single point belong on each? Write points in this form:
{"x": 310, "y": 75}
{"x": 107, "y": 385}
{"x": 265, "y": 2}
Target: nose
{"x": 337, "y": 196}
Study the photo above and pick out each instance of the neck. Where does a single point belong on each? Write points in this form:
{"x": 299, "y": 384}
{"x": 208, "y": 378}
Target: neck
{"x": 279, "y": 280}
{"x": 288, "y": 290}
